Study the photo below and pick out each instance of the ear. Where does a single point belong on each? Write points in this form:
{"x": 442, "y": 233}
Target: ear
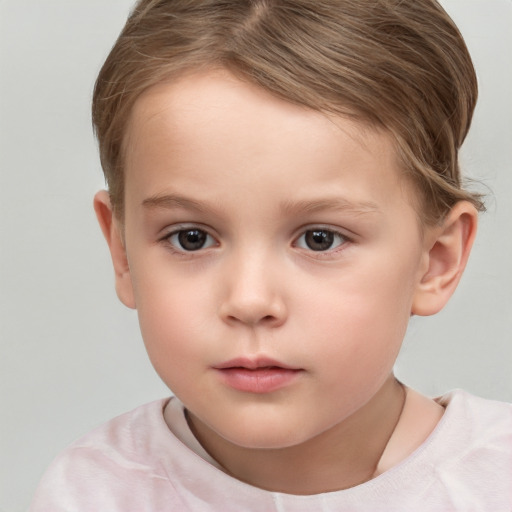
{"x": 112, "y": 231}
{"x": 446, "y": 255}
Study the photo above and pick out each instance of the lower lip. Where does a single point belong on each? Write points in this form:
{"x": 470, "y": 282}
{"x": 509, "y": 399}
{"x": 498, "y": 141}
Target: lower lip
{"x": 260, "y": 380}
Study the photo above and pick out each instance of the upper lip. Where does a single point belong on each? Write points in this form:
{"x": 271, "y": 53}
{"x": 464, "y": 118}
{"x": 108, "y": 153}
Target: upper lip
{"x": 253, "y": 364}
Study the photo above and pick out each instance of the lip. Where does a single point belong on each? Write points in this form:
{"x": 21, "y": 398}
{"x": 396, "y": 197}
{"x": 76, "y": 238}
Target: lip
{"x": 260, "y": 375}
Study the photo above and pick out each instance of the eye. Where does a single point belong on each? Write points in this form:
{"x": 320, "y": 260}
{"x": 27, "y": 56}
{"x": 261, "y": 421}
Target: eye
{"x": 320, "y": 240}
{"x": 192, "y": 239}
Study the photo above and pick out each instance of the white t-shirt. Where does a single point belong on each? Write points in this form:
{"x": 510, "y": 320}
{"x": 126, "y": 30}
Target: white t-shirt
{"x": 134, "y": 463}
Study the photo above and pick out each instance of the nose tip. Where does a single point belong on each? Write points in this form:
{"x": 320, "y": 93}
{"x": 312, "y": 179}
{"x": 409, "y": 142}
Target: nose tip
{"x": 252, "y": 298}
{"x": 253, "y": 288}
{"x": 258, "y": 311}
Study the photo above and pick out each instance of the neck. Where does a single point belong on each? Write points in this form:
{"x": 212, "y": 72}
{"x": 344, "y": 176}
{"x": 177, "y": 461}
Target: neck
{"x": 344, "y": 456}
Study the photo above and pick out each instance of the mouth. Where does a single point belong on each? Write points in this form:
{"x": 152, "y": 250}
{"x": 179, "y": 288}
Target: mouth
{"x": 253, "y": 364}
{"x": 261, "y": 375}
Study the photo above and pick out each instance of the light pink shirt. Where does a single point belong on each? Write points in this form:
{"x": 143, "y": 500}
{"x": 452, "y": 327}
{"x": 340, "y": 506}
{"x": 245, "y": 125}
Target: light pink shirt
{"x": 134, "y": 463}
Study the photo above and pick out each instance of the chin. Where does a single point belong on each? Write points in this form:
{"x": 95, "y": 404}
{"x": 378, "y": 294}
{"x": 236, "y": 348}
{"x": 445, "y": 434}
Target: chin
{"x": 265, "y": 437}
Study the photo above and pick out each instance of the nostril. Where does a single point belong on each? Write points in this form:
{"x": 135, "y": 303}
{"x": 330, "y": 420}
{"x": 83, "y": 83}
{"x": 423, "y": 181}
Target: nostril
{"x": 268, "y": 320}
{"x": 253, "y": 310}
{"x": 264, "y": 319}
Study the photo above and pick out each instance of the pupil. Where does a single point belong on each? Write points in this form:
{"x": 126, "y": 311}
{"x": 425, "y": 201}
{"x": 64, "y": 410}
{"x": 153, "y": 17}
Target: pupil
{"x": 192, "y": 239}
{"x": 320, "y": 240}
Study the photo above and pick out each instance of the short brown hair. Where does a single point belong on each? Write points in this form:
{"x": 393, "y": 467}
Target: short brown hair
{"x": 401, "y": 65}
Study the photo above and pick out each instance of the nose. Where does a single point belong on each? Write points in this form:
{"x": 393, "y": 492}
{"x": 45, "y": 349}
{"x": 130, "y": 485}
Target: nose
{"x": 252, "y": 295}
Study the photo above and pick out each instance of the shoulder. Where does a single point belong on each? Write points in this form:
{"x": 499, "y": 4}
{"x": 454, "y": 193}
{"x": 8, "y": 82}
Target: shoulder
{"x": 473, "y": 447}
{"x": 130, "y": 436}
{"x": 465, "y": 463}
{"x": 478, "y": 416}
{"x": 111, "y": 466}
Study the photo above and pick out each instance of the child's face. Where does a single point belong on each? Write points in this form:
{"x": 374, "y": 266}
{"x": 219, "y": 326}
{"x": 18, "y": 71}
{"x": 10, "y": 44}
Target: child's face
{"x": 260, "y": 233}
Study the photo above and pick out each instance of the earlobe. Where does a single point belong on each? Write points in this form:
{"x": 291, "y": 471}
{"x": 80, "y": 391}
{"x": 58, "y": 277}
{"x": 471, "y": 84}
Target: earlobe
{"x": 446, "y": 256}
{"x": 111, "y": 229}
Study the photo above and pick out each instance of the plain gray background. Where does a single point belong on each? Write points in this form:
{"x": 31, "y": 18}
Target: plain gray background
{"x": 71, "y": 355}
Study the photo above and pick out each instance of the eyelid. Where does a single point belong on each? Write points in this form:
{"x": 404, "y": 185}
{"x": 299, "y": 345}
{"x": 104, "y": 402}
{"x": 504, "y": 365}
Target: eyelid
{"x": 346, "y": 238}
{"x": 183, "y": 226}
{"x": 175, "y": 229}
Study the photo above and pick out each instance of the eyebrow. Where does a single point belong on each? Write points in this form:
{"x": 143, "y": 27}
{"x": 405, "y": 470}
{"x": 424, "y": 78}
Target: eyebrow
{"x": 172, "y": 201}
{"x": 335, "y": 204}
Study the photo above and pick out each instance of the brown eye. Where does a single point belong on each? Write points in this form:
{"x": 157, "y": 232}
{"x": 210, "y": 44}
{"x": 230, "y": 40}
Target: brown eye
{"x": 320, "y": 240}
{"x": 190, "y": 239}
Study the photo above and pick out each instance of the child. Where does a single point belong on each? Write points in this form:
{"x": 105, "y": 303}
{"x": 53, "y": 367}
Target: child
{"x": 283, "y": 194}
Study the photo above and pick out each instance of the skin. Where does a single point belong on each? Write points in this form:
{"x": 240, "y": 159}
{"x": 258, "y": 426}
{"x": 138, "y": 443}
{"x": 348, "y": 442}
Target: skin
{"x": 256, "y": 175}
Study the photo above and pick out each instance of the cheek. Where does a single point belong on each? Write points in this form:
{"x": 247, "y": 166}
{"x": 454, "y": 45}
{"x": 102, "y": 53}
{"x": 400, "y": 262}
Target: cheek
{"x": 361, "y": 321}
{"x": 172, "y": 321}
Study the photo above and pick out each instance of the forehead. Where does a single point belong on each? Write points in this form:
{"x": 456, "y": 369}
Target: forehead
{"x": 198, "y": 99}
{"x": 216, "y": 123}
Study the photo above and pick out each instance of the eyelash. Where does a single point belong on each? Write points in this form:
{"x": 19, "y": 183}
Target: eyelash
{"x": 175, "y": 234}
{"x": 329, "y": 234}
